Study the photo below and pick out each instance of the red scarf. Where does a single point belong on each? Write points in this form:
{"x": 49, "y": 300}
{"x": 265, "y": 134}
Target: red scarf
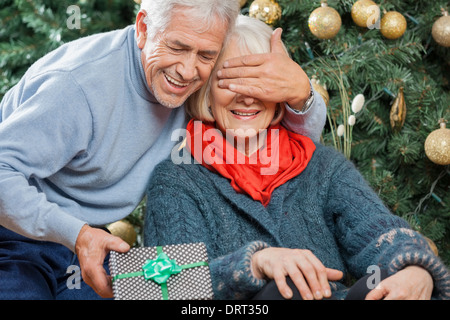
{"x": 284, "y": 156}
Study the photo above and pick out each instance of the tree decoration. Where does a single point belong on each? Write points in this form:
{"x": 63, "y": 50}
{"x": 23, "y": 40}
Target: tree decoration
{"x": 321, "y": 89}
{"x": 268, "y": 11}
{"x": 242, "y": 3}
{"x": 393, "y": 25}
{"x": 398, "y": 111}
{"x": 324, "y": 22}
{"x": 437, "y": 145}
{"x": 441, "y": 30}
{"x": 365, "y": 13}
{"x": 358, "y": 103}
{"x": 124, "y": 230}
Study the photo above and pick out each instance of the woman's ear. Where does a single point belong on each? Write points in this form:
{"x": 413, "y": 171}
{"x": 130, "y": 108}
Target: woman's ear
{"x": 141, "y": 29}
{"x": 279, "y": 114}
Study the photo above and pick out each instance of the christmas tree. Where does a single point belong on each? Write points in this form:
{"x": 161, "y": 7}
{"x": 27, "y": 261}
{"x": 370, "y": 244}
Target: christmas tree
{"x": 30, "y": 29}
{"x": 383, "y": 69}
{"x": 384, "y": 77}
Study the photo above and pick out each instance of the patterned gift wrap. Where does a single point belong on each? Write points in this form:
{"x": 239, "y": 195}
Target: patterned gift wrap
{"x": 172, "y": 272}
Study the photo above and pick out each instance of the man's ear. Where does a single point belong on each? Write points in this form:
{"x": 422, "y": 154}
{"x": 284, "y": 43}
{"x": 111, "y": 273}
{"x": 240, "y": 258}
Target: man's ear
{"x": 141, "y": 29}
{"x": 279, "y": 114}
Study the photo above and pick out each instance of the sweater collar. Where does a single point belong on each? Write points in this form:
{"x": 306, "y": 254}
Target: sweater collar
{"x": 137, "y": 73}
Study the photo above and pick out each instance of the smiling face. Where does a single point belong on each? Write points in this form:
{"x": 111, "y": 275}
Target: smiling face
{"x": 180, "y": 59}
{"x": 235, "y": 111}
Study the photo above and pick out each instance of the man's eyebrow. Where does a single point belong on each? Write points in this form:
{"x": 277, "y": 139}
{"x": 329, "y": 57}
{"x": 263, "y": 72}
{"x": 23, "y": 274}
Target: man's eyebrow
{"x": 182, "y": 45}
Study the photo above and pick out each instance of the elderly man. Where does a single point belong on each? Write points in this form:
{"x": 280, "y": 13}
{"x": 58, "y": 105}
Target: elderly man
{"x": 82, "y": 131}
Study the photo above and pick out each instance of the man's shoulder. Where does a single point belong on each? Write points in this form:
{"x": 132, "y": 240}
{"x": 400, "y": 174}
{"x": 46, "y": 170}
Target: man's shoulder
{"x": 81, "y": 52}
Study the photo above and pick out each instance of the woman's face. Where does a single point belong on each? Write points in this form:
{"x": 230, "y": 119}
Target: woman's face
{"x": 234, "y": 111}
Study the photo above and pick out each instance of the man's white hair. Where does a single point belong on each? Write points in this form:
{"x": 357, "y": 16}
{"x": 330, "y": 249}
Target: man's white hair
{"x": 208, "y": 12}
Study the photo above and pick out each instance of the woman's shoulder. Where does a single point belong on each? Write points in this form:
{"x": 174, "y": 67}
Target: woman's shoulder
{"x": 327, "y": 155}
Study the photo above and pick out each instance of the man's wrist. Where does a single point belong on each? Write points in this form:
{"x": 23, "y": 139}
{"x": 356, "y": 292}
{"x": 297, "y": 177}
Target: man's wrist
{"x": 302, "y": 108}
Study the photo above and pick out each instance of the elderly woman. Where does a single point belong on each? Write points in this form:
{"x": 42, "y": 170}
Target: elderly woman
{"x": 278, "y": 211}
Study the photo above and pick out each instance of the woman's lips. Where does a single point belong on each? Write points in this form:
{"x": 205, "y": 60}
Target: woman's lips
{"x": 245, "y": 114}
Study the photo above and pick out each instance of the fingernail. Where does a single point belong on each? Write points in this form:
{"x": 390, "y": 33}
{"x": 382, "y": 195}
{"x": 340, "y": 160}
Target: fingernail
{"x": 219, "y": 73}
{"x": 225, "y": 64}
{"x": 327, "y": 293}
{"x": 220, "y": 83}
{"x": 309, "y": 297}
{"x": 124, "y": 246}
{"x": 318, "y": 294}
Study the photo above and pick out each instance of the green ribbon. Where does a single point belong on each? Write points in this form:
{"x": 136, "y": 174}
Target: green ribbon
{"x": 160, "y": 270}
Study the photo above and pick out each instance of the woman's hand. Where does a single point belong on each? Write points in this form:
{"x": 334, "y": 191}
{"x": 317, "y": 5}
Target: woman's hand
{"x": 306, "y": 271}
{"x": 411, "y": 283}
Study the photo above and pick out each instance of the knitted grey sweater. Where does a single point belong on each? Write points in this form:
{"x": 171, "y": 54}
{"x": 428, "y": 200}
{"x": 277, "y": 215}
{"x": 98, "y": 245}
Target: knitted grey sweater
{"x": 328, "y": 209}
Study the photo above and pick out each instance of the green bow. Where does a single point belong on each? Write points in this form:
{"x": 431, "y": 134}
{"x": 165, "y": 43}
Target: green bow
{"x": 160, "y": 269}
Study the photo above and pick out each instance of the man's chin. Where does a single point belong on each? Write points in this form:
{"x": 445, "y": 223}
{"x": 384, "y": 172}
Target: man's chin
{"x": 169, "y": 101}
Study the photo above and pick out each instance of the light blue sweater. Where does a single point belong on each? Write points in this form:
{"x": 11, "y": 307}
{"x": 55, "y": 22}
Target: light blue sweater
{"x": 80, "y": 135}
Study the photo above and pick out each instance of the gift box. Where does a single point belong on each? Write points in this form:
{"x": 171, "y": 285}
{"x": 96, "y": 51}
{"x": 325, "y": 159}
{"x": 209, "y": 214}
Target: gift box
{"x": 172, "y": 272}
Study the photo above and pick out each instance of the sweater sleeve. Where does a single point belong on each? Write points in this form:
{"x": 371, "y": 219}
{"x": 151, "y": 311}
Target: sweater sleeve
{"x": 177, "y": 213}
{"x": 370, "y": 235}
{"x": 48, "y": 123}
{"x": 309, "y": 123}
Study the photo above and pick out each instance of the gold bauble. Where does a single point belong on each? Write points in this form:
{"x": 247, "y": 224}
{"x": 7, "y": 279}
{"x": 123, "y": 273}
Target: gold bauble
{"x": 242, "y": 3}
{"x": 324, "y": 22}
{"x": 441, "y": 30}
{"x": 321, "y": 90}
{"x": 437, "y": 145}
{"x": 268, "y": 11}
{"x": 397, "y": 115}
{"x": 432, "y": 245}
{"x": 393, "y": 25}
{"x": 137, "y": 1}
{"x": 124, "y": 230}
{"x": 365, "y": 13}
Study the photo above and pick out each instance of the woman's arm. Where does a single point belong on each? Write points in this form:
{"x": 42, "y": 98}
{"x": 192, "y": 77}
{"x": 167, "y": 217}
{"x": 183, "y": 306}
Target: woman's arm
{"x": 370, "y": 235}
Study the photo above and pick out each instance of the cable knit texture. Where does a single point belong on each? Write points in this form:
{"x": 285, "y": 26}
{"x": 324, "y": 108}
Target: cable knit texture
{"x": 329, "y": 209}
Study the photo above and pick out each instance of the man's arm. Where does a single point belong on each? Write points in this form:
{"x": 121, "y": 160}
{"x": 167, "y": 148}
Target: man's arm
{"x": 44, "y": 128}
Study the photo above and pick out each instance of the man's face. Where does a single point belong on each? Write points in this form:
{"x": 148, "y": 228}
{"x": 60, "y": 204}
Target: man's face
{"x": 179, "y": 60}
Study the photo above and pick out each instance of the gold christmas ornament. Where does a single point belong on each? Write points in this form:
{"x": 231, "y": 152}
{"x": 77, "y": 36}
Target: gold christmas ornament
{"x": 242, "y": 3}
{"x": 398, "y": 111}
{"x": 393, "y": 25}
{"x": 137, "y": 1}
{"x": 437, "y": 145}
{"x": 268, "y": 11}
{"x": 365, "y": 13}
{"x": 124, "y": 230}
{"x": 441, "y": 30}
{"x": 322, "y": 90}
{"x": 432, "y": 245}
{"x": 324, "y": 22}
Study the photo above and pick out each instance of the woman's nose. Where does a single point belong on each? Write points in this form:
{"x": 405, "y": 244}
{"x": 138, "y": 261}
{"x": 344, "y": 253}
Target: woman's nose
{"x": 245, "y": 99}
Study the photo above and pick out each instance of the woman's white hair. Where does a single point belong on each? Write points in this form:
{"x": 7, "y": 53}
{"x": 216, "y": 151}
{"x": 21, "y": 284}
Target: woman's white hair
{"x": 208, "y": 12}
{"x": 252, "y": 36}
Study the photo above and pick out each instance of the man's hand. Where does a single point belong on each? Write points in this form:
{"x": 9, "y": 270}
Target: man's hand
{"x": 411, "y": 283}
{"x": 92, "y": 247}
{"x": 272, "y": 77}
{"x": 309, "y": 275}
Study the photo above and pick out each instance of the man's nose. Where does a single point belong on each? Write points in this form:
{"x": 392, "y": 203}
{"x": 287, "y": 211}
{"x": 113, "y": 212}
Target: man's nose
{"x": 187, "y": 69}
